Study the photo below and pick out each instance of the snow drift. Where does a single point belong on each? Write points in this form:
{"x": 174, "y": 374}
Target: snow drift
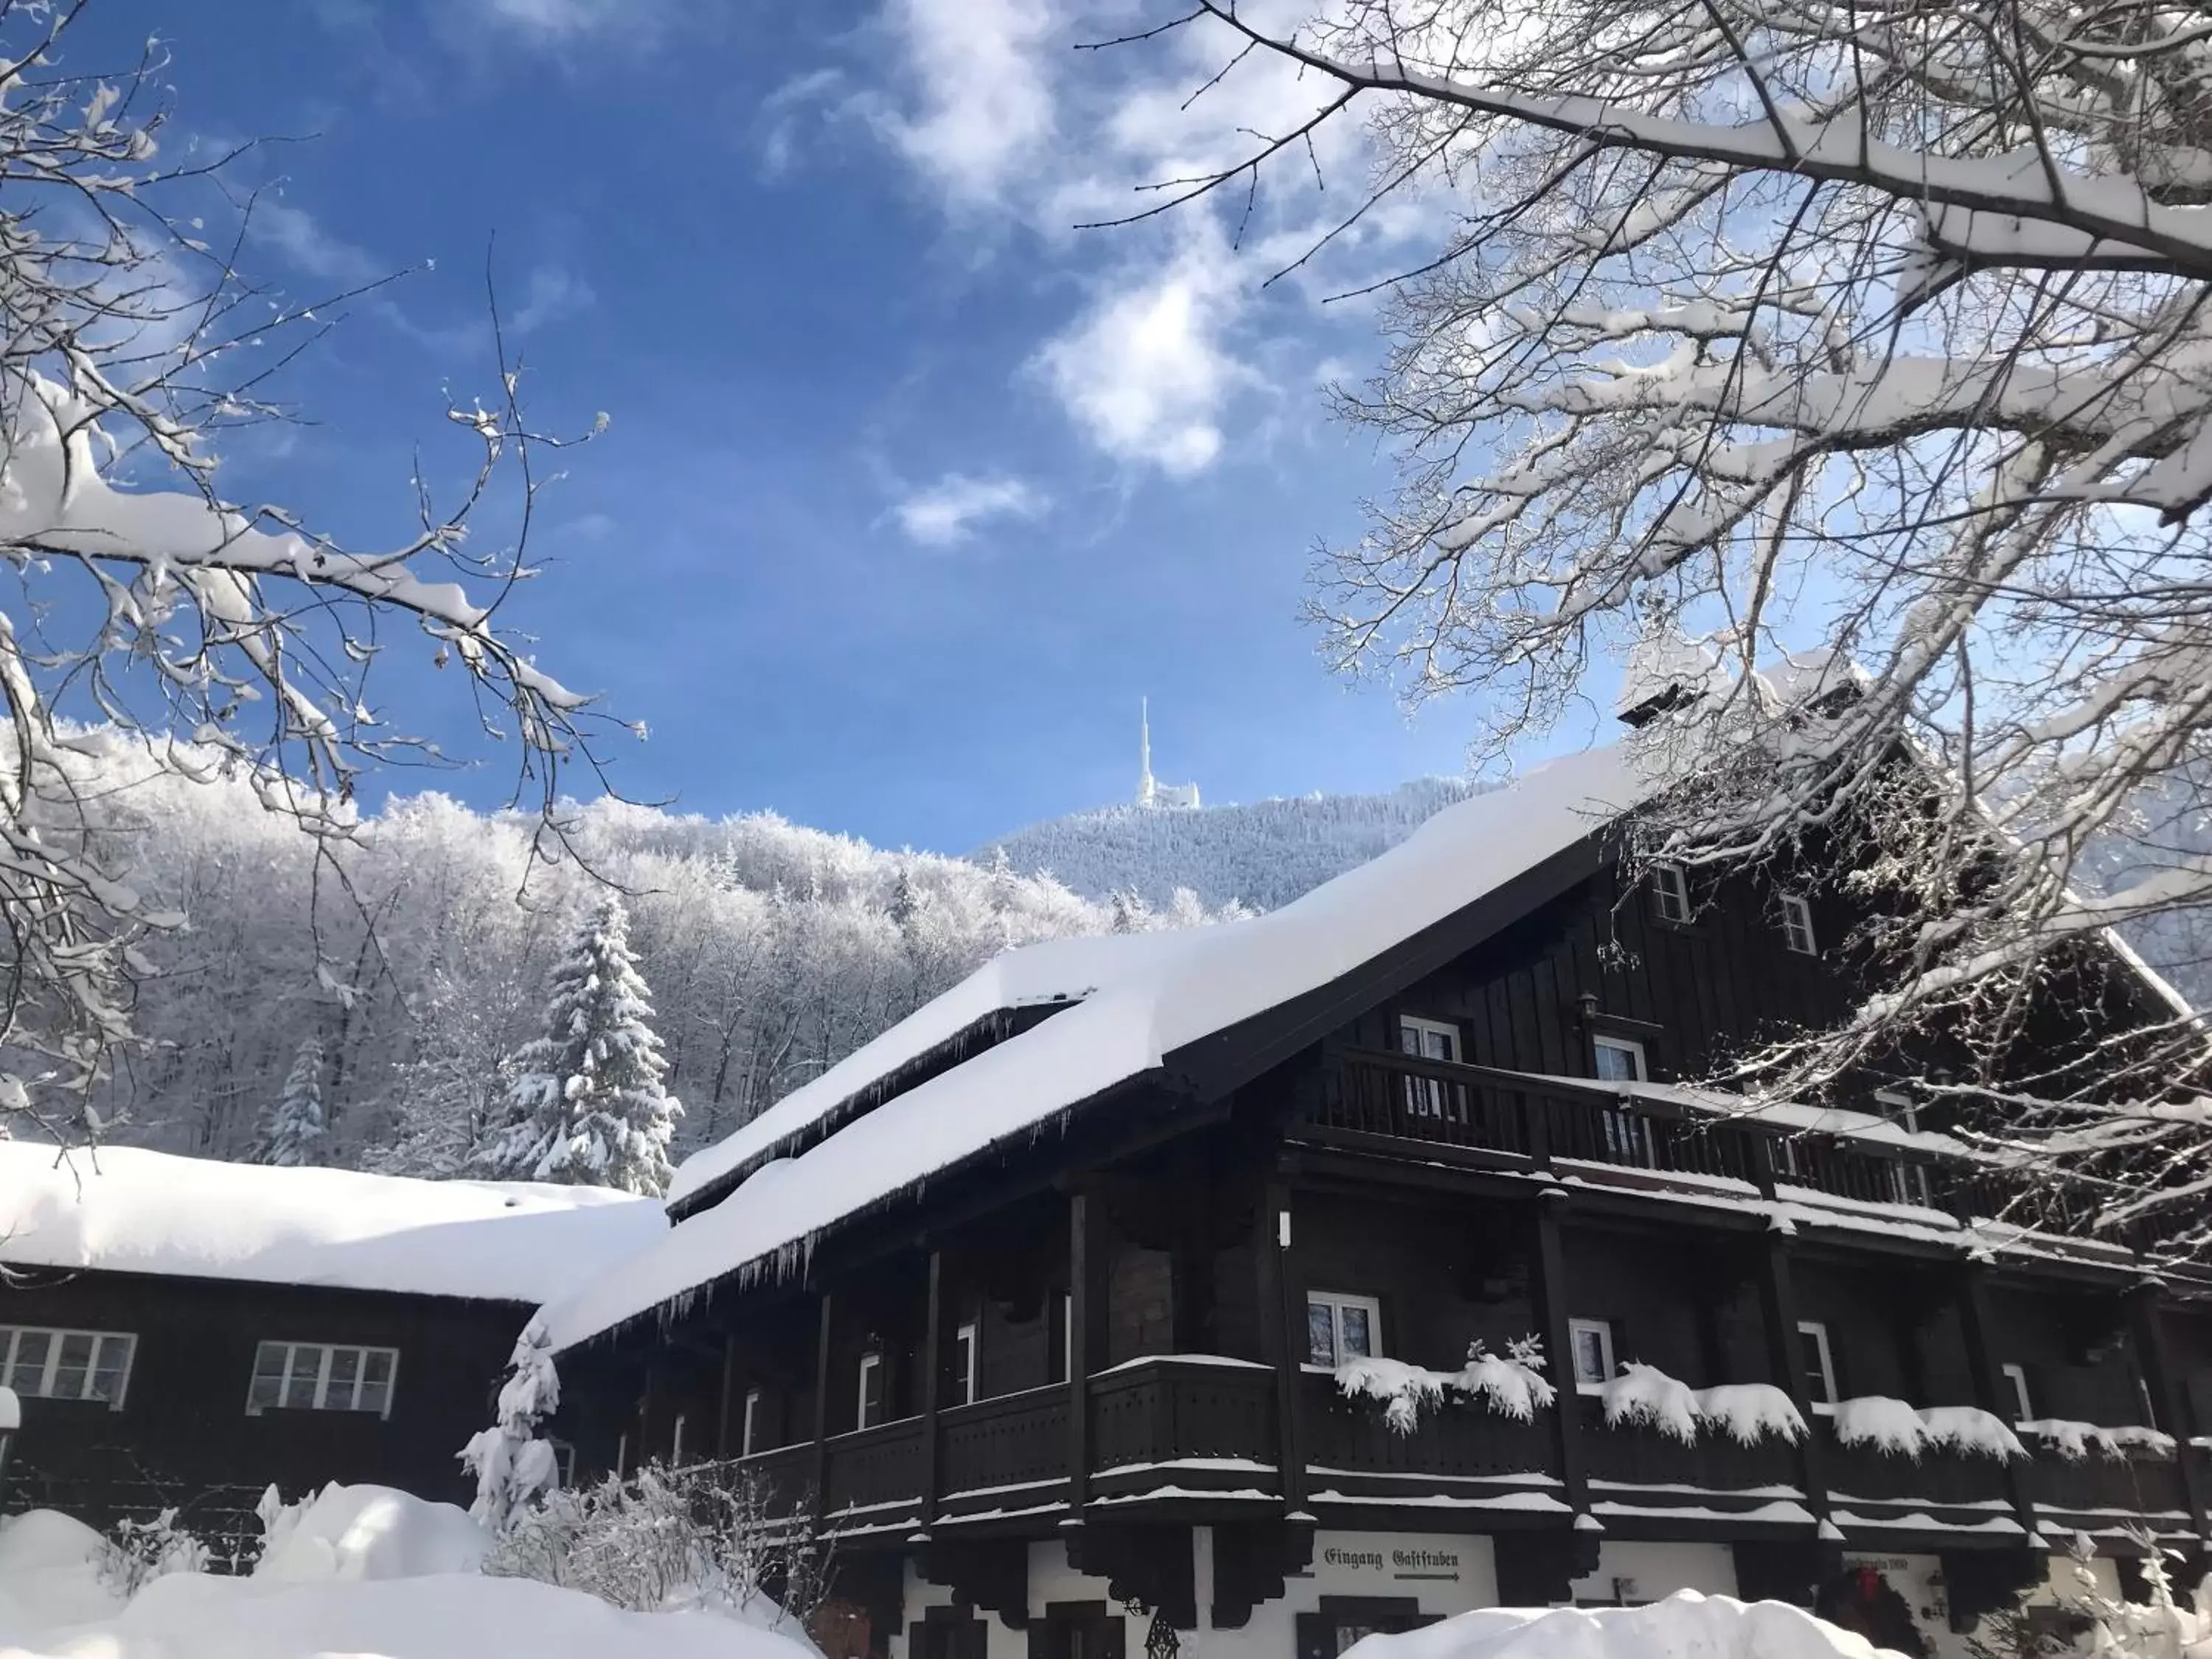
{"x": 360, "y": 1571}
{"x": 1685, "y": 1625}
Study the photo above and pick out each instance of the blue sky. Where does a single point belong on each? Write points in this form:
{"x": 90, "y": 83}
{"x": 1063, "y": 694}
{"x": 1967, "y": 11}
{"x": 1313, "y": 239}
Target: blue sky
{"x": 910, "y": 491}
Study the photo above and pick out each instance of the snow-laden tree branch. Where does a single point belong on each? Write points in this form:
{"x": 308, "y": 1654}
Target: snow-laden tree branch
{"x": 1781, "y": 325}
{"x": 129, "y": 344}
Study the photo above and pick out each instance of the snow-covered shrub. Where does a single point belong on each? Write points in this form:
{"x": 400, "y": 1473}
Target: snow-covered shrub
{"x": 2074, "y": 1441}
{"x": 1403, "y": 1389}
{"x": 1645, "y": 1394}
{"x": 1971, "y": 1431}
{"x": 137, "y": 1552}
{"x": 1511, "y": 1384}
{"x": 1889, "y": 1426}
{"x": 512, "y": 1465}
{"x": 1898, "y": 1430}
{"x": 363, "y": 1533}
{"x": 667, "y": 1540}
{"x": 1748, "y": 1412}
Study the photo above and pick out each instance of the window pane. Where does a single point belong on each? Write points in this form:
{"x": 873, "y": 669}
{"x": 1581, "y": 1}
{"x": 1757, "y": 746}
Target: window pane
{"x": 109, "y": 1364}
{"x": 268, "y": 1391}
{"x": 1589, "y": 1356}
{"x": 29, "y": 1375}
{"x": 345, "y": 1367}
{"x": 1359, "y": 1342}
{"x": 1320, "y": 1335}
{"x": 378, "y": 1368}
{"x": 306, "y": 1372}
{"x": 375, "y": 1391}
{"x": 74, "y": 1366}
{"x": 1618, "y": 1063}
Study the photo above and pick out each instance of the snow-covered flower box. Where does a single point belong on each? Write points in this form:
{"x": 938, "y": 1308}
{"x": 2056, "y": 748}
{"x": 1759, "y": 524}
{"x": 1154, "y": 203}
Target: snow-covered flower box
{"x": 2076, "y": 1441}
{"x": 1746, "y": 1412}
{"x": 1511, "y": 1384}
{"x": 1898, "y": 1428}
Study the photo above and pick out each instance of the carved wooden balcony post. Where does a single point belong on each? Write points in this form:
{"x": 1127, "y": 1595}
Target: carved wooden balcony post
{"x": 1549, "y": 1293}
{"x": 822, "y": 1415}
{"x": 1989, "y": 1390}
{"x": 1785, "y": 1350}
{"x": 2161, "y": 1382}
{"x": 932, "y": 1368}
{"x": 1082, "y": 1315}
{"x": 1282, "y": 1338}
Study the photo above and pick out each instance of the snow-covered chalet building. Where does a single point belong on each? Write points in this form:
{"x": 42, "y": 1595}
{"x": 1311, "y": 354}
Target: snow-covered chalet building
{"x": 182, "y": 1332}
{"x": 1213, "y": 1282}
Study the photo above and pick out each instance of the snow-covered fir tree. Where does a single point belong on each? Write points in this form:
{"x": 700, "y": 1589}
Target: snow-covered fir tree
{"x": 292, "y": 1128}
{"x": 511, "y": 1464}
{"x": 587, "y": 1105}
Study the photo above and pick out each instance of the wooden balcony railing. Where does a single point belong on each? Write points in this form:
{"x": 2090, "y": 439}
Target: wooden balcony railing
{"x": 1507, "y": 1119}
{"x": 1193, "y": 1427}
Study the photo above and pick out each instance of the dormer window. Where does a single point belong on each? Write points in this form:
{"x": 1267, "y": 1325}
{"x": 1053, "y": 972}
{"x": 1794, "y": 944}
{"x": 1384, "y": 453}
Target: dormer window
{"x": 1670, "y": 892}
{"x": 1797, "y": 926}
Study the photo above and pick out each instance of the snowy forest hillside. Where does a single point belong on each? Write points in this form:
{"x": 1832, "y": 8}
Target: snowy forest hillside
{"x": 1262, "y": 855}
{"x": 419, "y": 958}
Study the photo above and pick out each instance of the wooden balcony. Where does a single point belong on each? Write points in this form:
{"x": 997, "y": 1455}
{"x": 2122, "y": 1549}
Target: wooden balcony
{"x": 1473, "y": 1114}
{"x": 1637, "y": 1470}
{"x": 1191, "y": 1438}
{"x": 2106, "y": 1494}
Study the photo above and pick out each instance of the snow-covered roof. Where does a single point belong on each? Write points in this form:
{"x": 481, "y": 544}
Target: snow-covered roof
{"x": 126, "y": 1210}
{"x": 1143, "y": 998}
{"x": 1055, "y": 971}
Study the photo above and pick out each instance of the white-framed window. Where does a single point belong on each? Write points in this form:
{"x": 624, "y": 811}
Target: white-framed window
{"x": 39, "y": 1362}
{"x": 965, "y": 1348}
{"x": 1428, "y": 1039}
{"x": 1590, "y": 1341}
{"x": 749, "y": 1433}
{"x": 2016, "y": 1378}
{"x": 1618, "y": 1059}
{"x": 871, "y": 1407}
{"x": 564, "y": 1463}
{"x": 1670, "y": 892}
{"x": 1340, "y": 1327}
{"x": 321, "y": 1376}
{"x": 1797, "y": 925}
{"x": 676, "y": 1443}
{"x": 1819, "y": 1365}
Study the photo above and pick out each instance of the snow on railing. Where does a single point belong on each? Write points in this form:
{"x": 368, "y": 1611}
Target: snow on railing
{"x": 1511, "y": 1384}
{"x": 1898, "y": 1428}
{"x": 2074, "y": 1441}
{"x": 1644, "y": 1395}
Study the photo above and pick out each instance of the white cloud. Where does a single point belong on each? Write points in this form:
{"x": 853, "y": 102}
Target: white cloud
{"x": 564, "y": 20}
{"x": 946, "y": 512}
{"x": 301, "y": 241}
{"x": 552, "y": 294}
{"x": 984, "y": 115}
{"x": 1144, "y": 371}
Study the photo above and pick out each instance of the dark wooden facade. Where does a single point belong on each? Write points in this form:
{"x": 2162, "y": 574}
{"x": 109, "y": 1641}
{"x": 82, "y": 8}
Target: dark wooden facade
{"x": 1137, "y": 1286}
{"x": 183, "y": 1436}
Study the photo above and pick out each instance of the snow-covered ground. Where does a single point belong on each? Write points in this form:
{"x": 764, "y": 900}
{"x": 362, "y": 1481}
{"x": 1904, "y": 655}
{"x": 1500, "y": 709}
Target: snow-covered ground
{"x": 362, "y": 1571}
{"x": 1685, "y": 1625}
